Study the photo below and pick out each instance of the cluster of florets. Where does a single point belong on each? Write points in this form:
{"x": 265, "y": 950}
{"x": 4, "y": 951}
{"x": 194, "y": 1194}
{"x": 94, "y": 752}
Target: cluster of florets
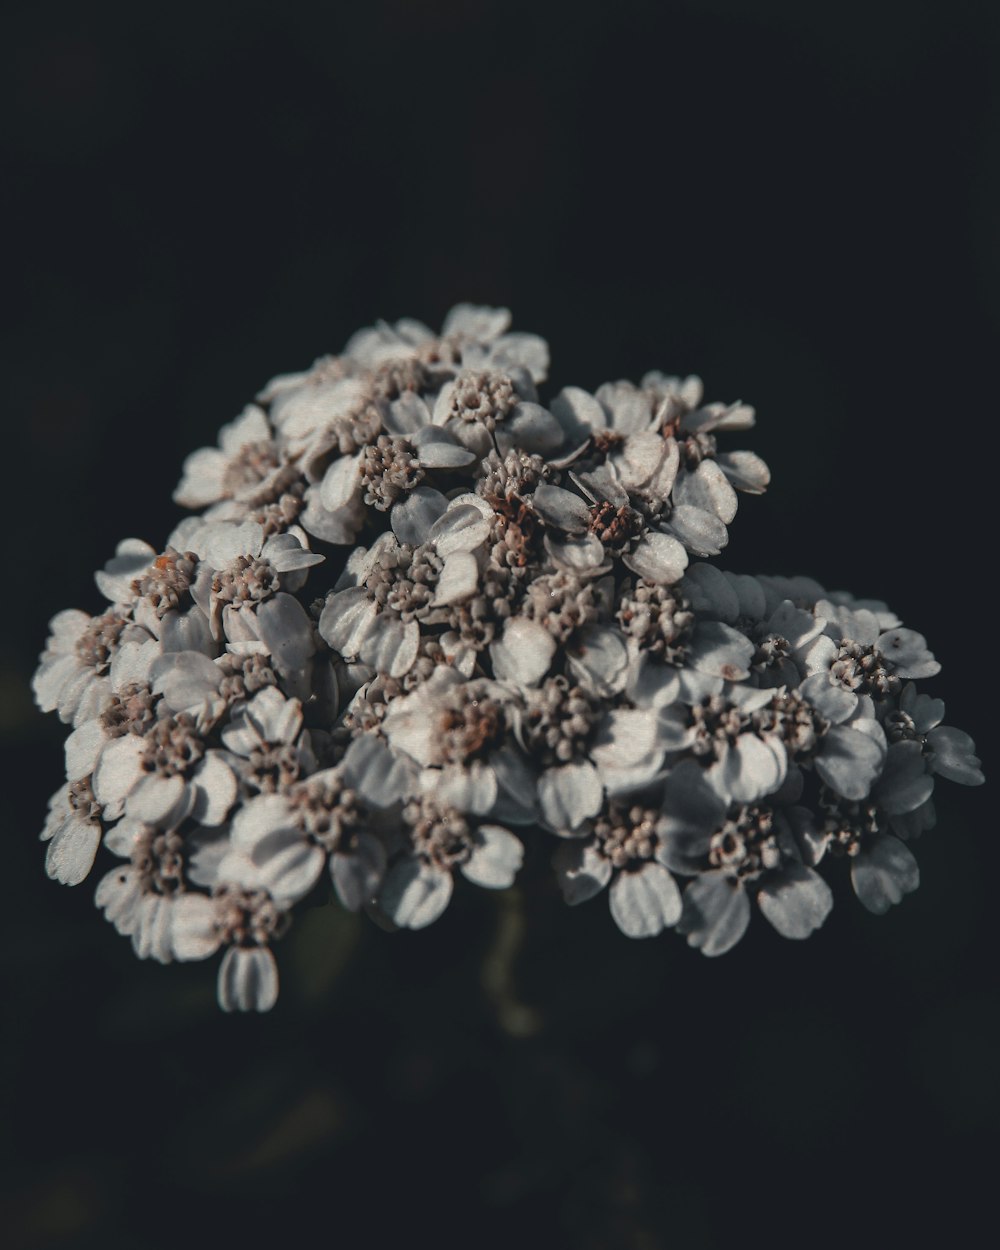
{"x": 424, "y": 623}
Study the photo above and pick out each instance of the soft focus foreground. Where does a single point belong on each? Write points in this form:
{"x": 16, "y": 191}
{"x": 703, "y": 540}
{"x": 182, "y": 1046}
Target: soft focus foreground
{"x": 427, "y": 632}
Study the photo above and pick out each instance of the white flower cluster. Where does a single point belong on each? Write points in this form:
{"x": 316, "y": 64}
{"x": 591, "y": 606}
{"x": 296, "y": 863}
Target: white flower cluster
{"x": 424, "y": 623}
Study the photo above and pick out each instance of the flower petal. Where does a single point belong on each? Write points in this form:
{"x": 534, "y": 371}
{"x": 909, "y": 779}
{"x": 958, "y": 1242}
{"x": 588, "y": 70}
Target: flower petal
{"x": 248, "y": 979}
{"x": 569, "y": 795}
{"x": 716, "y": 913}
{"x": 414, "y": 895}
{"x": 883, "y": 873}
{"x": 645, "y": 902}
{"x": 797, "y": 902}
{"x": 496, "y": 857}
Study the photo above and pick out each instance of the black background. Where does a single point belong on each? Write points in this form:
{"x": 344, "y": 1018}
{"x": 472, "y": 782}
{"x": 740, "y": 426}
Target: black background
{"x": 798, "y": 202}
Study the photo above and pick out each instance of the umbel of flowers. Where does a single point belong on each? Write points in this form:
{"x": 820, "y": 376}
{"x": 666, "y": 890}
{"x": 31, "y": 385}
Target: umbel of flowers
{"x": 420, "y": 620}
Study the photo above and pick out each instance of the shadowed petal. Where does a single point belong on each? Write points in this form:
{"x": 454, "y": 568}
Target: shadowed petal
{"x": 358, "y": 875}
{"x": 883, "y": 873}
{"x": 581, "y": 870}
{"x": 248, "y": 979}
{"x": 797, "y": 902}
{"x": 716, "y": 913}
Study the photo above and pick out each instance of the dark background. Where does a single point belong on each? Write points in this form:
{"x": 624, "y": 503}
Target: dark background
{"x": 798, "y": 202}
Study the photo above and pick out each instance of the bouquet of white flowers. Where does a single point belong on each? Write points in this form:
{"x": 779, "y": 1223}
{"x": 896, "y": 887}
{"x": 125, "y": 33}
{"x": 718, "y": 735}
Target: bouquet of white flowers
{"x": 426, "y": 627}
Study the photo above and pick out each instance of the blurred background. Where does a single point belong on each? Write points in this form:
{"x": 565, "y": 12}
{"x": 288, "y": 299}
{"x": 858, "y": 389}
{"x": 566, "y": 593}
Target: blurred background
{"x": 799, "y": 203}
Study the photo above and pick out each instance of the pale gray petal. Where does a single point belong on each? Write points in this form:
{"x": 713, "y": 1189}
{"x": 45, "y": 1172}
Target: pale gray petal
{"x": 70, "y": 855}
{"x": 662, "y": 481}
{"x": 883, "y": 873}
{"x": 288, "y": 555}
{"x": 151, "y": 938}
{"x": 516, "y": 801}
{"x": 708, "y": 490}
{"x": 258, "y": 818}
{"x": 496, "y": 857}
{"x": 658, "y": 558}
{"x": 645, "y": 902}
{"x": 833, "y": 702}
{"x": 286, "y": 631}
{"x": 953, "y": 755}
{"x": 625, "y": 737}
{"x": 83, "y": 749}
{"x": 696, "y": 686}
{"x": 924, "y": 711}
{"x": 118, "y": 769}
{"x": 569, "y": 795}
{"x": 437, "y": 449}
{"x": 581, "y": 870}
{"x": 905, "y": 783}
{"x": 641, "y": 457}
{"x": 598, "y": 659}
{"x": 347, "y": 620}
{"x": 751, "y": 768}
{"x": 118, "y": 896}
{"x": 133, "y": 661}
{"x": 289, "y": 863}
{"x": 907, "y": 650}
{"x": 718, "y": 650}
{"x": 849, "y": 762}
{"x": 132, "y": 557}
{"x": 719, "y": 417}
{"x": 746, "y": 471}
{"x": 513, "y": 352}
{"x": 583, "y": 553}
{"x": 202, "y": 480}
{"x": 413, "y": 517}
{"x": 579, "y": 413}
{"x": 475, "y": 321}
{"x": 692, "y": 811}
{"x": 630, "y": 407}
{"x": 560, "y": 508}
{"x": 751, "y": 594}
{"x": 357, "y": 876}
{"x": 462, "y": 528}
{"x": 820, "y": 655}
{"x": 50, "y": 679}
{"x": 602, "y": 484}
{"x": 524, "y": 653}
{"x": 796, "y": 902}
{"x": 652, "y": 683}
{"x": 531, "y": 428}
{"x": 407, "y": 415}
{"x": 186, "y": 679}
{"x": 193, "y": 931}
{"x": 701, "y": 532}
{"x": 379, "y": 776}
{"x": 339, "y": 528}
{"x": 710, "y": 591}
{"x": 248, "y": 979}
{"x": 716, "y": 913}
{"x": 794, "y": 624}
{"x": 391, "y": 646}
{"x": 187, "y": 631}
{"x": 157, "y": 800}
{"x": 414, "y": 895}
{"x": 215, "y": 790}
{"x": 467, "y": 788}
{"x": 458, "y": 579}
